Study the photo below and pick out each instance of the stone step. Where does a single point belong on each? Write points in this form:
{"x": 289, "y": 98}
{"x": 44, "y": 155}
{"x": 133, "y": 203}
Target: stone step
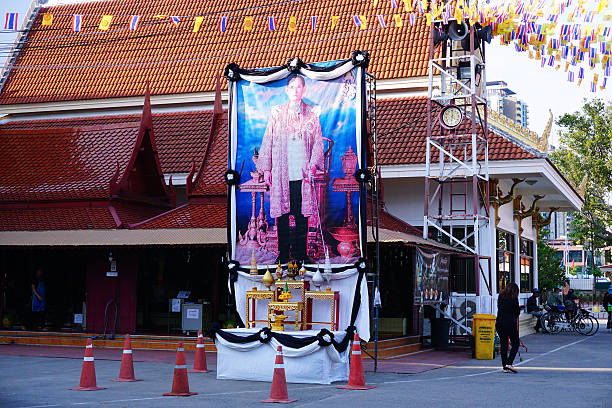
{"x": 394, "y": 348}
{"x": 79, "y": 339}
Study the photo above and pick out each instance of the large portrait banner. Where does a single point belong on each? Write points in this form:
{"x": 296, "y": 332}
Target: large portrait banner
{"x": 296, "y": 140}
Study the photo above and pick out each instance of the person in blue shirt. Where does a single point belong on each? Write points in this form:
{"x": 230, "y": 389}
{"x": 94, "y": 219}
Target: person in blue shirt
{"x": 39, "y": 301}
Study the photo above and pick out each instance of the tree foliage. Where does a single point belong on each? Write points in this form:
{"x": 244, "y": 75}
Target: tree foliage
{"x": 550, "y": 273}
{"x": 585, "y": 158}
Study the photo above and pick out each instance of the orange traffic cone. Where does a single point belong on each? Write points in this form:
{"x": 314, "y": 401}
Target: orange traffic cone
{"x": 199, "y": 364}
{"x": 126, "y": 373}
{"x": 278, "y": 393}
{"x": 180, "y": 383}
{"x": 88, "y": 373}
{"x": 356, "y": 380}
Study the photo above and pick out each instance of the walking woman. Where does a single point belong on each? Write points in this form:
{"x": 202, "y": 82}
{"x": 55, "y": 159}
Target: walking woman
{"x": 506, "y": 324}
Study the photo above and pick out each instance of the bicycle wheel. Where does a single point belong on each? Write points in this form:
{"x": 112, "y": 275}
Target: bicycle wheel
{"x": 550, "y": 323}
{"x": 584, "y": 325}
{"x": 595, "y": 326}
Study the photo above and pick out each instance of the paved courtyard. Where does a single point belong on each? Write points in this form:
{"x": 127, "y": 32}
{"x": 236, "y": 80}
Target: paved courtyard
{"x": 564, "y": 370}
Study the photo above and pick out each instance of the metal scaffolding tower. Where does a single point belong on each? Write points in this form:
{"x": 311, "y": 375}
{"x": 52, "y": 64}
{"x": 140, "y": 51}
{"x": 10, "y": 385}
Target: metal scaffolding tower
{"x": 457, "y": 167}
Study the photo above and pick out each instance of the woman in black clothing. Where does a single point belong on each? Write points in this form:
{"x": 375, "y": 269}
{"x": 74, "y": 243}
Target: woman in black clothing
{"x": 506, "y": 324}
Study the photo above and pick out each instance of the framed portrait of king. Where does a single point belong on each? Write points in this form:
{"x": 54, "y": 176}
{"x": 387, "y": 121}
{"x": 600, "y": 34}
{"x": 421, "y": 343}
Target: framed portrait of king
{"x": 296, "y": 139}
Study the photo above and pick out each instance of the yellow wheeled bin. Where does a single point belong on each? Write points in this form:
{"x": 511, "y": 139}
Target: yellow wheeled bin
{"x": 483, "y": 329}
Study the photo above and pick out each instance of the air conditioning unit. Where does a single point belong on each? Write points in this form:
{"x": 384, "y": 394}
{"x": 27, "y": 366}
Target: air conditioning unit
{"x": 463, "y": 310}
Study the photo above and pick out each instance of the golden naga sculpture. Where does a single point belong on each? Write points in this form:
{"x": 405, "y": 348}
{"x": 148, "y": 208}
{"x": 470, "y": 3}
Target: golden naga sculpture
{"x": 543, "y": 142}
{"x": 497, "y": 197}
{"x": 520, "y": 213}
{"x": 540, "y": 222}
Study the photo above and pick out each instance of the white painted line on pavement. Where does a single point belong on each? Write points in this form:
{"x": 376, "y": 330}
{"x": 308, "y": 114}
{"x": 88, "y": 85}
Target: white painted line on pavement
{"x": 490, "y": 371}
{"x": 310, "y": 387}
{"x": 552, "y": 351}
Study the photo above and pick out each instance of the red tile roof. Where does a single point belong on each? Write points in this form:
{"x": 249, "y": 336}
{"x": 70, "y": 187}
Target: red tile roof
{"x": 210, "y": 181}
{"x": 70, "y": 163}
{"x": 402, "y": 128}
{"x": 214, "y": 215}
{"x": 57, "y": 64}
{"x": 206, "y": 215}
{"x": 181, "y": 137}
{"x": 44, "y": 219}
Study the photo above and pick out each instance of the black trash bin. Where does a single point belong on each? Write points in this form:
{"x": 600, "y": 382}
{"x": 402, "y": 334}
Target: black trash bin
{"x": 440, "y": 329}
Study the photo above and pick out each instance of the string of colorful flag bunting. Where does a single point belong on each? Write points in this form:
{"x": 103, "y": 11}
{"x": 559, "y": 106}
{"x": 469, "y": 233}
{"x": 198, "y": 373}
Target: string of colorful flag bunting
{"x": 576, "y": 34}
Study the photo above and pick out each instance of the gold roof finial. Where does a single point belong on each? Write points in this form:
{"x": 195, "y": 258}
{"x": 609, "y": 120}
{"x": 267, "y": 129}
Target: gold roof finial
{"x": 543, "y": 144}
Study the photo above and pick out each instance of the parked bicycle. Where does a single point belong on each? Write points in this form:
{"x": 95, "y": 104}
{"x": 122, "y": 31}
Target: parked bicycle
{"x": 557, "y": 319}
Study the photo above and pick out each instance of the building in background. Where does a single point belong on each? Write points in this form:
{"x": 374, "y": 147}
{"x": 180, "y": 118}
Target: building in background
{"x": 504, "y": 100}
{"x": 560, "y": 226}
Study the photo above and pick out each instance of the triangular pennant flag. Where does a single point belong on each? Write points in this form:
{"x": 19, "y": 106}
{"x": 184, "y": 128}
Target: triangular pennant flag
{"x": 271, "y": 23}
{"x": 381, "y": 21}
{"x": 175, "y": 20}
{"x": 313, "y": 23}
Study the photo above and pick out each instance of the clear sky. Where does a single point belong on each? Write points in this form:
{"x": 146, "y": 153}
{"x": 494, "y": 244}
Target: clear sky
{"x": 541, "y": 88}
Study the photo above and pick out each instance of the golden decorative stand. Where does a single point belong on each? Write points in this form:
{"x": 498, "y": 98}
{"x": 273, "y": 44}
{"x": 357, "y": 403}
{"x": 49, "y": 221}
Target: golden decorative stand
{"x": 297, "y": 307}
{"x": 333, "y": 296}
{"x": 252, "y": 296}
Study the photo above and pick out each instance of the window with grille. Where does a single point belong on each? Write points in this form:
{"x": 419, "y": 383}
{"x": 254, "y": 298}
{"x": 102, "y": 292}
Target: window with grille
{"x": 505, "y": 259}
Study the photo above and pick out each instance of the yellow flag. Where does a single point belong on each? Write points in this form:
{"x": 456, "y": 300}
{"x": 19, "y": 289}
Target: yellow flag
{"x": 424, "y": 4}
{"x": 335, "y": 21}
{"x": 161, "y": 16}
{"x": 604, "y": 59}
{"x": 408, "y": 6}
{"x": 105, "y": 22}
{"x": 603, "y": 5}
{"x": 530, "y": 54}
{"x": 428, "y": 16}
{"x": 459, "y": 15}
{"x": 198, "y": 22}
{"x": 47, "y": 19}
{"x": 436, "y": 11}
{"x": 567, "y": 64}
{"x": 292, "y": 23}
{"x": 248, "y": 23}
{"x": 364, "y": 22}
{"x": 398, "y": 20}
{"x": 595, "y": 78}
